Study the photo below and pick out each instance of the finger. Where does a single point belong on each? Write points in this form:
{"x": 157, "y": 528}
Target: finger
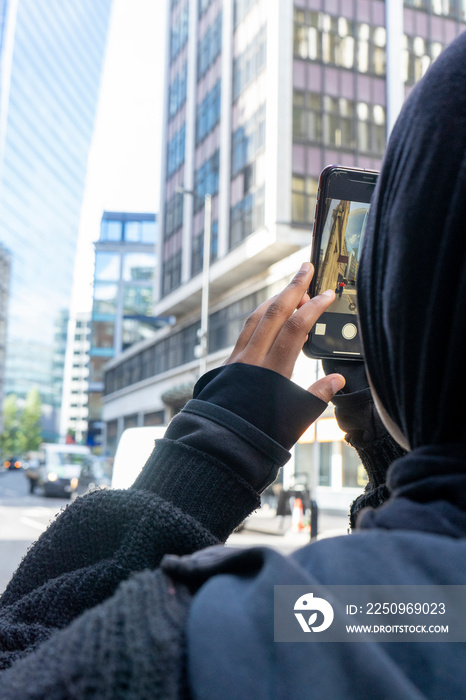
{"x": 279, "y": 311}
{"x": 327, "y": 387}
{"x": 294, "y": 333}
{"x": 248, "y": 329}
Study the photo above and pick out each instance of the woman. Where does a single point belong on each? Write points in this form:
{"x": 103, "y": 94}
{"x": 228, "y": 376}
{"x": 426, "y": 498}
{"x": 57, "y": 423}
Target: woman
{"x": 94, "y": 611}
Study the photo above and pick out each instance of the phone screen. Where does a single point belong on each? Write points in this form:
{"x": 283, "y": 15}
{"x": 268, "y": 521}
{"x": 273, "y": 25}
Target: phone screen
{"x": 340, "y": 249}
{"x": 339, "y": 233}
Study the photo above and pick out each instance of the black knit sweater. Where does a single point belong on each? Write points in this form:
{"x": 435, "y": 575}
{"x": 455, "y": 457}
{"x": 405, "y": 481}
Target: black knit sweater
{"x": 89, "y": 613}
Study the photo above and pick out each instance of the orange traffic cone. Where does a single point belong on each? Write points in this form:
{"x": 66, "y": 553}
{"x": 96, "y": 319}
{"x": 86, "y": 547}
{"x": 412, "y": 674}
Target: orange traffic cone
{"x": 297, "y": 517}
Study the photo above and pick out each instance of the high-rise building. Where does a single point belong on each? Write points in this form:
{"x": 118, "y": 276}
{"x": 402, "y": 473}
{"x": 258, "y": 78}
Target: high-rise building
{"x": 260, "y": 96}
{"x": 54, "y": 64}
{"x": 123, "y": 298}
{"x": 74, "y": 409}
{"x": 4, "y": 297}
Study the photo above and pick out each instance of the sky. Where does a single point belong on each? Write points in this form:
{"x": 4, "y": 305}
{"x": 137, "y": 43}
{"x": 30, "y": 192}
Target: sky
{"x": 124, "y": 160}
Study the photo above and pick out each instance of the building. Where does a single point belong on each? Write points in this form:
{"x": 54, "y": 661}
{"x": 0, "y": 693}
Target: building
{"x": 51, "y": 70}
{"x": 260, "y": 96}
{"x": 74, "y": 413}
{"x": 4, "y": 297}
{"x": 123, "y": 298}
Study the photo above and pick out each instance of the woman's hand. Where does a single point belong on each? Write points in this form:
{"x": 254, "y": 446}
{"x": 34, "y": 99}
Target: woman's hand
{"x": 276, "y": 331}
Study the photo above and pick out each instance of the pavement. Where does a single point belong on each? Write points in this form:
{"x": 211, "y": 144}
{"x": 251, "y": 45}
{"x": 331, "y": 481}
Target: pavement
{"x": 265, "y": 528}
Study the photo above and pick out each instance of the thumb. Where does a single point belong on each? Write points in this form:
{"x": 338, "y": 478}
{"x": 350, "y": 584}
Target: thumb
{"x": 327, "y": 387}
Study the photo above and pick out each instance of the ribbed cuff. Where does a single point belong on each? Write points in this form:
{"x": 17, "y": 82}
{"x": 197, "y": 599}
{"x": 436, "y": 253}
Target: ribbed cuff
{"x": 199, "y": 485}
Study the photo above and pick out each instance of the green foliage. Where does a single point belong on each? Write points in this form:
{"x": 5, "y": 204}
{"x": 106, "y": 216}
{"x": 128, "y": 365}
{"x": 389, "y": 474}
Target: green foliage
{"x": 9, "y": 435}
{"x": 30, "y": 430}
{"x": 22, "y": 430}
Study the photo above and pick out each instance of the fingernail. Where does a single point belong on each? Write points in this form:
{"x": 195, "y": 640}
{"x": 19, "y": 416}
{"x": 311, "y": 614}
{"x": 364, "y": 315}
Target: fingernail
{"x": 337, "y": 383}
{"x": 305, "y": 267}
{"x": 328, "y": 293}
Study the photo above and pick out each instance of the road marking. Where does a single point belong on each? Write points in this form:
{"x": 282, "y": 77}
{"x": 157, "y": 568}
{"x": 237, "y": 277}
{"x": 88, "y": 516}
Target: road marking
{"x": 32, "y": 523}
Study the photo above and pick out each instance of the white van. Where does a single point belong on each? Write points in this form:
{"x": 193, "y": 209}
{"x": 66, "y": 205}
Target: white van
{"x": 132, "y": 453}
{"x": 59, "y": 468}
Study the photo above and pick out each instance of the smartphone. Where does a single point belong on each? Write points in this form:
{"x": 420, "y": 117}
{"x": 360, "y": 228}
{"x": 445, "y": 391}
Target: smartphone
{"x": 342, "y": 207}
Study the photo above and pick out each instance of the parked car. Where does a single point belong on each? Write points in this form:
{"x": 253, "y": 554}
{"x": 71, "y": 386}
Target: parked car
{"x": 13, "y": 463}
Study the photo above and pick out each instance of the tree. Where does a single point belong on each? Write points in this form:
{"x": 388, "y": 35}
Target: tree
{"x": 30, "y": 430}
{"x": 9, "y": 436}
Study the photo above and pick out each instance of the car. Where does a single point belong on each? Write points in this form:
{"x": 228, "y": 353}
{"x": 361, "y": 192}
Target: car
{"x": 13, "y": 463}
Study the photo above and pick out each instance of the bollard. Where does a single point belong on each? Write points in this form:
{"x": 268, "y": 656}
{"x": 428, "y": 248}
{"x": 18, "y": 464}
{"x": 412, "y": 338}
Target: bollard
{"x": 314, "y": 520}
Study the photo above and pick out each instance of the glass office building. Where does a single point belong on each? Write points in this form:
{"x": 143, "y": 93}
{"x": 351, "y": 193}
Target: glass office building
{"x": 55, "y": 70}
{"x": 123, "y": 298}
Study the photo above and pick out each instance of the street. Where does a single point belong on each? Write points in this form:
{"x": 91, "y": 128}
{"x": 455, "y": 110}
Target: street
{"x": 22, "y": 519}
{"x": 24, "y": 516}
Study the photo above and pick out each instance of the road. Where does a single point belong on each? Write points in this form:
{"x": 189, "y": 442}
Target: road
{"x": 22, "y": 519}
{"x": 24, "y": 516}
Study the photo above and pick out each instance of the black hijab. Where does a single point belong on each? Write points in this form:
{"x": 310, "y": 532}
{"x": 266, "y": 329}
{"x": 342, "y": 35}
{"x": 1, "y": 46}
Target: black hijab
{"x": 412, "y": 281}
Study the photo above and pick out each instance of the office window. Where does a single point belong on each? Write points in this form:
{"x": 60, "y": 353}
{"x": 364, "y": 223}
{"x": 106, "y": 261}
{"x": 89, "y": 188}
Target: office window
{"x": 173, "y": 214}
{"x": 337, "y": 41}
{"x": 209, "y": 47}
{"x": 247, "y": 216}
{"x": 250, "y": 63}
{"x": 137, "y": 300}
{"x": 110, "y": 230}
{"x": 103, "y": 333}
{"x": 107, "y": 266}
{"x": 179, "y": 33}
{"x": 206, "y": 180}
{"x": 248, "y": 140}
{"x": 177, "y": 92}
{"x": 176, "y": 148}
{"x": 105, "y": 298}
{"x": 241, "y": 9}
{"x": 307, "y": 117}
{"x": 197, "y": 249}
{"x": 303, "y": 198}
{"x": 171, "y": 273}
{"x": 148, "y": 231}
{"x": 138, "y": 266}
{"x": 208, "y": 113}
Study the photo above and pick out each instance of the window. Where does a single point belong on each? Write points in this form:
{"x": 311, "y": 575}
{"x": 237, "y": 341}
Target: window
{"x": 338, "y": 41}
{"x": 208, "y": 113}
{"x": 103, "y": 333}
{"x": 206, "y": 180}
{"x": 307, "y": 117}
{"x": 241, "y": 9}
{"x": 176, "y": 151}
{"x": 105, "y": 298}
{"x": 110, "y": 230}
{"x": 173, "y": 214}
{"x": 171, "y": 273}
{"x": 249, "y": 64}
{"x": 107, "y": 266}
{"x": 247, "y": 216}
{"x": 138, "y": 266}
{"x": 303, "y": 198}
{"x": 197, "y": 254}
{"x": 177, "y": 93}
{"x": 148, "y": 231}
{"x": 137, "y": 301}
{"x": 248, "y": 140}
{"x": 179, "y": 33}
{"x": 209, "y": 47}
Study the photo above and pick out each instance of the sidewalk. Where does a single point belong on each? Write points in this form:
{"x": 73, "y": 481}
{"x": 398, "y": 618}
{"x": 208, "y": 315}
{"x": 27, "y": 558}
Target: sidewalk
{"x": 264, "y": 528}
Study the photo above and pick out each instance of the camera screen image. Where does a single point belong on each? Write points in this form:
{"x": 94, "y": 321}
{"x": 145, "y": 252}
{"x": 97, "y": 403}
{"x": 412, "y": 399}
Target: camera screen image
{"x": 340, "y": 249}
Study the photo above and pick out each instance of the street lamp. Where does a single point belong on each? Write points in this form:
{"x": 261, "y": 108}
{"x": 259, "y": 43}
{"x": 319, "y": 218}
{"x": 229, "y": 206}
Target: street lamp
{"x": 203, "y": 332}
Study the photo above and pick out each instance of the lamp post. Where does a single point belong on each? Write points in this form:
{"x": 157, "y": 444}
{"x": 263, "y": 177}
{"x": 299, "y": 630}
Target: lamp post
{"x": 203, "y": 332}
